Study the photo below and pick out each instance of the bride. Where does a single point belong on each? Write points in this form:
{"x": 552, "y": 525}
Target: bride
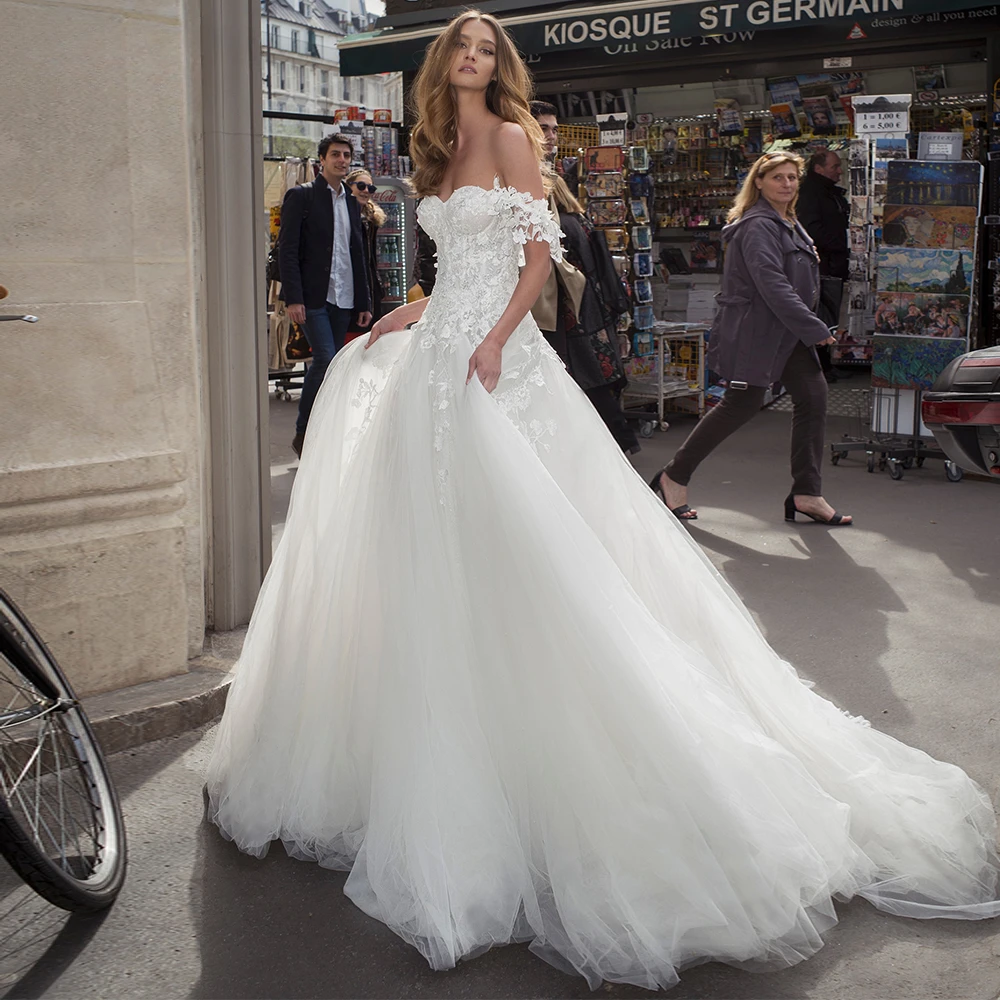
{"x": 493, "y": 680}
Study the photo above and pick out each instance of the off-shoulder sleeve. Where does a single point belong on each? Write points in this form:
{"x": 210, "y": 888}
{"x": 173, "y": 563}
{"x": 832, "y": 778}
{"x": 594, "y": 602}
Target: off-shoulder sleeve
{"x": 532, "y": 220}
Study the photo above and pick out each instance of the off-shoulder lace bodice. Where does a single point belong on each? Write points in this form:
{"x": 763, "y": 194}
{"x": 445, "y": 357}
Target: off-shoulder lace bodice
{"x": 480, "y": 235}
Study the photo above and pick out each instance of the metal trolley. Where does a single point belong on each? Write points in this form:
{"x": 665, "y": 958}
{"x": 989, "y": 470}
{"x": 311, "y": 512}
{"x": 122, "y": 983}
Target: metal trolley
{"x": 677, "y": 374}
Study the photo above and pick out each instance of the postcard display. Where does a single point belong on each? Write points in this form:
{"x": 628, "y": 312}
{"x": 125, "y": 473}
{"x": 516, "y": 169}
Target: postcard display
{"x": 618, "y": 197}
{"x": 913, "y": 265}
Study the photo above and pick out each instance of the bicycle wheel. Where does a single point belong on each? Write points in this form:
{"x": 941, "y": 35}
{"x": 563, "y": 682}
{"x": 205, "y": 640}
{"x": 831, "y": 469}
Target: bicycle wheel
{"x": 61, "y": 825}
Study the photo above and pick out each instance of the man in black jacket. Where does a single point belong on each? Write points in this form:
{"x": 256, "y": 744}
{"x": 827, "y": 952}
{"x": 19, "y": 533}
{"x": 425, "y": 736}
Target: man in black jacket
{"x": 823, "y": 211}
{"x": 321, "y": 256}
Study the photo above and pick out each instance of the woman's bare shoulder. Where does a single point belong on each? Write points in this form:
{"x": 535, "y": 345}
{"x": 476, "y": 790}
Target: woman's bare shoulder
{"x": 510, "y": 137}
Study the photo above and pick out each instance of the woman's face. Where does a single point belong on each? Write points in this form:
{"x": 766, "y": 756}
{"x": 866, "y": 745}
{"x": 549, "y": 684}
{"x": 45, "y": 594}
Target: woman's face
{"x": 780, "y": 185}
{"x": 360, "y": 188}
{"x": 474, "y": 64}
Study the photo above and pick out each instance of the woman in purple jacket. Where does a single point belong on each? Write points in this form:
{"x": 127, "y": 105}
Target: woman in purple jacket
{"x": 766, "y": 331}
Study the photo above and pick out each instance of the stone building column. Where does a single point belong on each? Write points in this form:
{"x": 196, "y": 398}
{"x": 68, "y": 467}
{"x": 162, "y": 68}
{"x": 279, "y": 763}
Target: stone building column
{"x": 235, "y": 254}
{"x": 111, "y": 500}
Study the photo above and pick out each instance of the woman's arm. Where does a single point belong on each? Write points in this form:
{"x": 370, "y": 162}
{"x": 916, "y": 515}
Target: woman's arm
{"x": 518, "y": 166}
{"x": 400, "y": 317}
{"x": 762, "y": 254}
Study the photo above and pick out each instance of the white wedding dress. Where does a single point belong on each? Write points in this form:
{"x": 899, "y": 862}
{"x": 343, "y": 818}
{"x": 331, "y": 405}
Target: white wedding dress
{"x": 490, "y": 676}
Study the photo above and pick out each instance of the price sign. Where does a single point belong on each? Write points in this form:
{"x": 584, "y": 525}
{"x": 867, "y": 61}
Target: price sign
{"x": 891, "y": 121}
{"x": 881, "y": 115}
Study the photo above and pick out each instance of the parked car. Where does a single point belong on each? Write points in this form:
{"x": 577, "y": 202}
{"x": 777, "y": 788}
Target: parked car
{"x": 963, "y": 411}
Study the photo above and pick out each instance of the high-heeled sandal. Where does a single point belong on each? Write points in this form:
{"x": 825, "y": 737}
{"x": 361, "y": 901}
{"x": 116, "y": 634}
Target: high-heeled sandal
{"x": 836, "y": 520}
{"x": 683, "y": 512}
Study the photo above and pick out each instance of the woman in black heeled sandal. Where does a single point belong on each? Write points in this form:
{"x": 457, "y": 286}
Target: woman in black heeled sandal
{"x": 766, "y": 331}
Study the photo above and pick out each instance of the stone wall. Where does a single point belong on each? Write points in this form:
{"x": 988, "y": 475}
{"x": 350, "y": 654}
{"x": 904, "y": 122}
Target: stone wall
{"x": 103, "y": 526}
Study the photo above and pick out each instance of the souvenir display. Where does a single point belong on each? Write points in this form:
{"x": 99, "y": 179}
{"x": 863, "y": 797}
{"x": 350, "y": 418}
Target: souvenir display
{"x": 616, "y": 239}
{"x": 643, "y": 317}
{"x": 642, "y": 186}
{"x": 642, "y": 238}
{"x": 706, "y": 255}
{"x": 638, "y": 159}
{"x": 923, "y": 293}
{"x": 639, "y": 210}
{"x": 911, "y": 363}
{"x": 945, "y": 226}
{"x": 784, "y": 121}
{"x": 819, "y": 115}
{"x": 642, "y": 264}
{"x": 610, "y": 185}
{"x": 607, "y": 212}
{"x": 604, "y": 159}
{"x": 729, "y": 116}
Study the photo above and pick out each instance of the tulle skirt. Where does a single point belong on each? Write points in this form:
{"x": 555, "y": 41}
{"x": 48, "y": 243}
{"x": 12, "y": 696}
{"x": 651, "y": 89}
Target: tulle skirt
{"x": 494, "y": 680}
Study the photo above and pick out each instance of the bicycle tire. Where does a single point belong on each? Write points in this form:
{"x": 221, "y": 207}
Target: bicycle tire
{"x": 61, "y": 825}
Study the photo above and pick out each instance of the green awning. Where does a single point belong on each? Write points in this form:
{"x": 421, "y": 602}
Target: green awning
{"x": 647, "y": 26}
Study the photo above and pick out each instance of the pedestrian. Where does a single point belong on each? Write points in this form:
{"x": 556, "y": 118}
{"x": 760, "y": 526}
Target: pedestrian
{"x": 321, "y": 255}
{"x": 547, "y": 116}
{"x": 824, "y": 212}
{"x": 488, "y": 676}
{"x": 766, "y": 330}
{"x": 585, "y": 317}
{"x": 361, "y": 185}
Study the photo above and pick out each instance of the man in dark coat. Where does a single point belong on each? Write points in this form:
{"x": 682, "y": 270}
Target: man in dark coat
{"x": 825, "y": 214}
{"x": 321, "y": 256}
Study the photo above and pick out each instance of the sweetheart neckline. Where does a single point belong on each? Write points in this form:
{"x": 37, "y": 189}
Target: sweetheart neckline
{"x": 465, "y": 187}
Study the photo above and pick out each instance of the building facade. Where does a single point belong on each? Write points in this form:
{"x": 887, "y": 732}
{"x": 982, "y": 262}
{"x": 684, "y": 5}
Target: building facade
{"x": 134, "y": 496}
{"x": 301, "y": 70}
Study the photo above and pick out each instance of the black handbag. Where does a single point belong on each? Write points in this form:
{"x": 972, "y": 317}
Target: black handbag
{"x": 831, "y": 294}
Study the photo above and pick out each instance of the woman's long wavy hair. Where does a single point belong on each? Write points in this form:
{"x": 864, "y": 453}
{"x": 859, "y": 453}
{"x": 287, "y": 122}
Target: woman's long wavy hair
{"x": 559, "y": 189}
{"x": 432, "y": 141}
{"x": 749, "y": 195}
{"x": 371, "y": 211}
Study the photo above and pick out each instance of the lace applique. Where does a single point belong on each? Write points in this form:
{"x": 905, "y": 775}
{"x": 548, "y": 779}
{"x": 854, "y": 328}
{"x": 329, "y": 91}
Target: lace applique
{"x": 533, "y": 220}
{"x": 480, "y": 235}
{"x": 520, "y": 380}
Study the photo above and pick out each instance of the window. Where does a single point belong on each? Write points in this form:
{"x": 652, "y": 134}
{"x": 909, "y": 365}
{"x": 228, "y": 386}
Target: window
{"x": 295, "y": 41}
{"x": 361, "y": 91}
{"x": 347, "y": 88}
{"x": 314, "y": 44}
{"x": 324, "y": 83}
{"x": 275, "y": 37}
{"x": 281, "y": 77}
{"x": 302, "y": 79}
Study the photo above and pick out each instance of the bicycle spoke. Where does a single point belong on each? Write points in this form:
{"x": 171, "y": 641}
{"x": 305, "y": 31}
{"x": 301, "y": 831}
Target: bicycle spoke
{"x": 55, "y": 792}
{"x": 59, "y": 810}
{"x": 65, "y": 819}
{"x": 84, "y": 857}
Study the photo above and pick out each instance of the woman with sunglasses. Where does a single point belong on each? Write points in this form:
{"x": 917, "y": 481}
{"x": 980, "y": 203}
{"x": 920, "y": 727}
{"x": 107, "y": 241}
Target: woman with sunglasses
{"x": 361, "y": 185}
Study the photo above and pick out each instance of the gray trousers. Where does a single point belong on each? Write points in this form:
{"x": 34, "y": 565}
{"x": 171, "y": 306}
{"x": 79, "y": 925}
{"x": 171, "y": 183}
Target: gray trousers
{"x": 803, "y": 378}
